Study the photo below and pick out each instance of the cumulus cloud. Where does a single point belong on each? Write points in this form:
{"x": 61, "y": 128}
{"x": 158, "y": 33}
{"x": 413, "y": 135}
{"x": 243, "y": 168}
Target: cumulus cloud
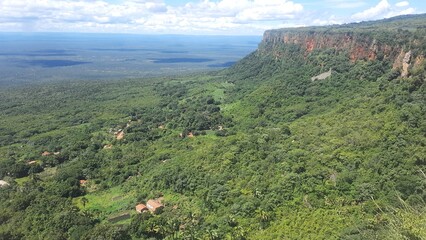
{"x": 269, "y": 10}
{"x": 401, "y": 12}
{"x": 327, "y": 21}
{"x": 402, "y": 4}
{"x": 145, "y": 15}
{"x": 382, "y": 7}
{"x": 196, "y": 16}
{"x": 346, "y": 4}
{"x": 383, "y": 10}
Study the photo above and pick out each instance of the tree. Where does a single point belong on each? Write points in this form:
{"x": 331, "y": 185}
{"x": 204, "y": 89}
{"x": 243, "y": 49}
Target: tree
{"x": 84, "y": 201}
{"x": 107, "y": 232}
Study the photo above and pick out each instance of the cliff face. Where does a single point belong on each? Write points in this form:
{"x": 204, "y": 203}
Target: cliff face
{"x": 359, "y": 47}
{"x": 400, "y": 47}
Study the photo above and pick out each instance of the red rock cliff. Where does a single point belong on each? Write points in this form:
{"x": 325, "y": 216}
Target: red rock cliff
{"x": 359, "y": 45}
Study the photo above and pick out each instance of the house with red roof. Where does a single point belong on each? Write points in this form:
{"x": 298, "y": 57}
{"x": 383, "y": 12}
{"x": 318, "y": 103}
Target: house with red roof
{"x": 140, "y": 208}
{"x": 154, "y": 206}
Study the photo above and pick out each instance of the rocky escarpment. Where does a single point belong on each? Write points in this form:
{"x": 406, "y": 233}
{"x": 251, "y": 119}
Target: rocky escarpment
{"x": 358, "y": 47}
{"x": 405, "y": 49}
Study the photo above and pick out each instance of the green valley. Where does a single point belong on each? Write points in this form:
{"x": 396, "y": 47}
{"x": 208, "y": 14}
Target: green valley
{"x": 255, "y": 151}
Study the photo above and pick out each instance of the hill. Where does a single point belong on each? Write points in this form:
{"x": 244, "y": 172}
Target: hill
{"x": 271, "y": 148}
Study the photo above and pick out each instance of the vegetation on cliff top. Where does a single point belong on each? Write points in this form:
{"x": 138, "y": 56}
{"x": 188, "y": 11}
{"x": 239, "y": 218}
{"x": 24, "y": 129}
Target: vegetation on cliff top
{"x": 396, "y": 24}
{"x": 257, "y": 151}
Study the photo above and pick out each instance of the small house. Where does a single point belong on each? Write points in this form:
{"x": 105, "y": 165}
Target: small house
{"x": 108, "y": 146}
{"x": 45, "y": 154}
{"x": 120, "y": 135}
{"x": 140, "y": 208}
{"x": 3, "y": 184}
{"x": 154, "y": 206}
{"x": 83, "y": 182}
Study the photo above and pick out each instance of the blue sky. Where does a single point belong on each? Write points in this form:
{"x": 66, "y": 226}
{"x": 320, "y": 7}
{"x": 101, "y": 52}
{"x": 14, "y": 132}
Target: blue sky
{"x": 224, "y": 17}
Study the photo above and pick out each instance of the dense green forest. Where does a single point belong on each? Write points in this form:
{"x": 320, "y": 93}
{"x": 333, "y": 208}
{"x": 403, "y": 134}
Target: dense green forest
{"x": 256, "y": 151}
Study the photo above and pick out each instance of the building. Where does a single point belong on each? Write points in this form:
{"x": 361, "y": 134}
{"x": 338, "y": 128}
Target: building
{"x": 45, "y": 154}
{"x": 140, "y": 208}
{"x": 120, "y": 135}
{"x": 154, "y": 206}
{"x": 108, "y": 146}
{"x": 3, "y": 183}
{"x": 83, "y": 182}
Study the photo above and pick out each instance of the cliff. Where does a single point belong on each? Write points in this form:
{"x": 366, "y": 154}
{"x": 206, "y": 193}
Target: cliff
{"x": 400, "y": 40}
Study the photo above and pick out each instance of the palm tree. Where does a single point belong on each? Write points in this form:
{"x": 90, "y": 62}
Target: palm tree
{"x": 263, "y": 216}
{"x": 84, "y": 201}
{"x": 212, "y": 234}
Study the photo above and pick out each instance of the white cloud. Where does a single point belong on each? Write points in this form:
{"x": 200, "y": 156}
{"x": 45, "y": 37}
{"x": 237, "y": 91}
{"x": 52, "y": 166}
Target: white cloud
{"x": 383, "y": 10}
{"x": 382, "y": 7}
{"x": 145, "y": 16}
{"x": 269, "y": 10}
{"x": 402, "y": 4}
{"x": 345, "y": 4}
{"x": 327, "y": 21}
{"x": 402, "y": 12}
{"x": 196, "y": 17}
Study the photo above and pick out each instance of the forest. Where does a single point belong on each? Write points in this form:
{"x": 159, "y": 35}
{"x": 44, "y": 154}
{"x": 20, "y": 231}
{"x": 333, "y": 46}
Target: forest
{"x": 255, "y": 151}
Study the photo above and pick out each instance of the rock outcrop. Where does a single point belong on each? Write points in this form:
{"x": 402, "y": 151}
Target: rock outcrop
{"x": 358, "y": 47}
{"x": 406, "y": 64}
{"x": 399, "y": 46}
{"x": 322, "y": 76}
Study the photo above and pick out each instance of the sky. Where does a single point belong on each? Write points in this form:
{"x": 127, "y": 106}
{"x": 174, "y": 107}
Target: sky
{"x": 195, "y": 17}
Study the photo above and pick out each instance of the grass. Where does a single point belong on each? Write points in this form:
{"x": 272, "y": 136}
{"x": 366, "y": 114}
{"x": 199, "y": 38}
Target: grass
{"x": 111, "y": 201}
{"x": 21, "y": 181}
{"x": 47, "y": 173}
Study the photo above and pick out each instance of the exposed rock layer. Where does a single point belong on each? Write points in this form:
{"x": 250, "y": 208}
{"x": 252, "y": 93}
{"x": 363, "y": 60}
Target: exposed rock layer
{"x": 358, "y": 45}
